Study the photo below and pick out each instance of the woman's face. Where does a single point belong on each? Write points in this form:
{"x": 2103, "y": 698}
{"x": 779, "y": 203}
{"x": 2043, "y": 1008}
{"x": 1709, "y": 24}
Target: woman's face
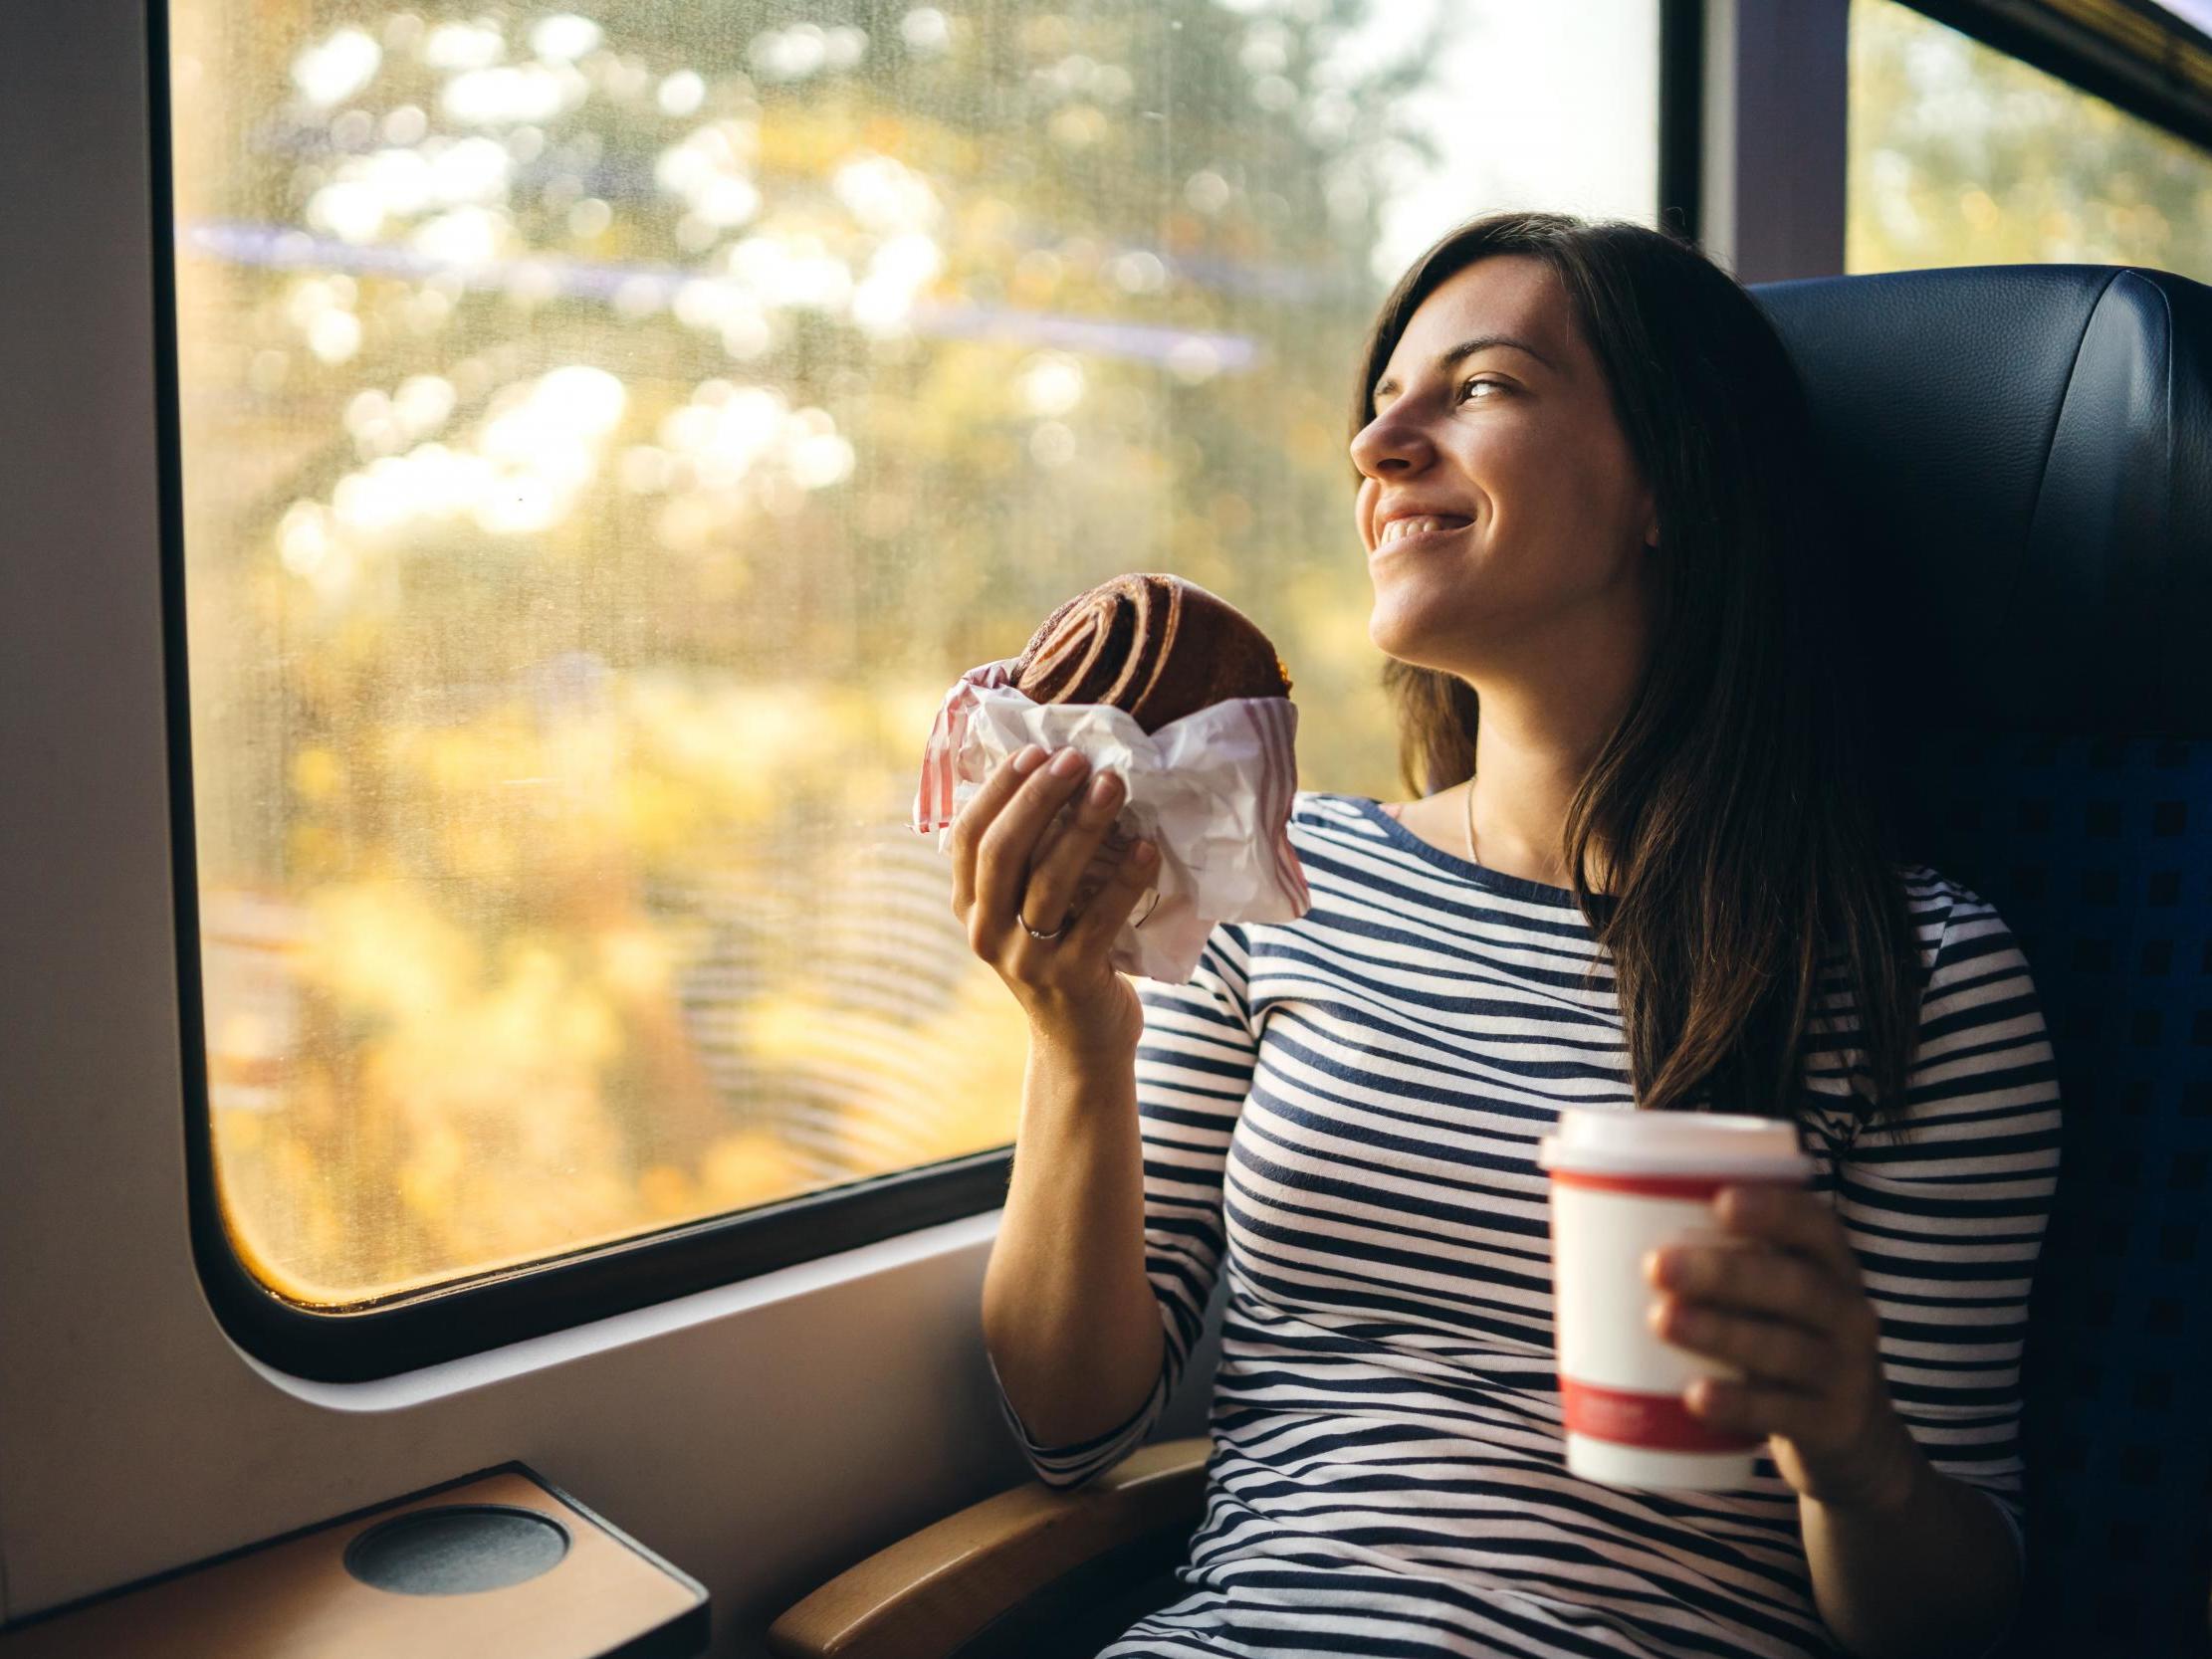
{"x": 1499, "y": 501}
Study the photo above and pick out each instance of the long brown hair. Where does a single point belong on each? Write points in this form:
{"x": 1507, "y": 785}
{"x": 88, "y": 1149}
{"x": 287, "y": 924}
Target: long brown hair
{"x": 1746, "y": 843}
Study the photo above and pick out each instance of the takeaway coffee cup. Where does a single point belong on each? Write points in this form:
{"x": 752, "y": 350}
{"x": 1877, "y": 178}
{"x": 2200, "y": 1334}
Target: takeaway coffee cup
{"x": 1623, "y": 1182}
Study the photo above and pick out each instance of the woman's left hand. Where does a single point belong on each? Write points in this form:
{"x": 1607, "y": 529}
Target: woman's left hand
{"x": 1788, "y": 1307}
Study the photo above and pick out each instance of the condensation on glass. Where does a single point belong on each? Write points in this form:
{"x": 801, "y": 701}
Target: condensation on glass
{"x": 1961, "y": 155}
{"x": 606, "y": 435}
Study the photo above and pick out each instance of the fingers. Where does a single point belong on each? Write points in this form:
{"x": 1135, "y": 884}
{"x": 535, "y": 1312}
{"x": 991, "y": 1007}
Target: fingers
{"x": 977, "y": 815}
{"x": 1770, "y": 1283}
{"x": 1005, "y": 818}
{"x": 1008, "y": 847}
{"x": 1750, "y": 1408}
{"x": 1812, "y": 1378}
{"x": 1769, "y": 1351}
{"x": 1779, "y": 1295}
{"x": 1793, "y": 1219}
{"x": 1117, "y": 901}
{"x": 1057, "y": 871}
{"x": 1008, "y": 860}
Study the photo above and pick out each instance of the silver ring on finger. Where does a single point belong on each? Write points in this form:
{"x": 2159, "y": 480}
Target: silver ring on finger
{"x": 1033, "y": 933}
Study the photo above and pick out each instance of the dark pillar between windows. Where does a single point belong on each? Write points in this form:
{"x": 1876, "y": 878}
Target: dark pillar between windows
{"x": 1774, "y": 110}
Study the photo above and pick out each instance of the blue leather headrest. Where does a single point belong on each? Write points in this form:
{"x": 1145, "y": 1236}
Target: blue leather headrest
{"x": 2023, "y": 461}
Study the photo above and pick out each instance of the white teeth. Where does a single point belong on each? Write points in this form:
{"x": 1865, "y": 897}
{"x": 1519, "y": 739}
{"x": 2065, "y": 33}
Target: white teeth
{"x": 1410, "y": 526}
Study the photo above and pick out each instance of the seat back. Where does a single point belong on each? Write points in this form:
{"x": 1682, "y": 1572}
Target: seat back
{"x": 2024, "y": 455}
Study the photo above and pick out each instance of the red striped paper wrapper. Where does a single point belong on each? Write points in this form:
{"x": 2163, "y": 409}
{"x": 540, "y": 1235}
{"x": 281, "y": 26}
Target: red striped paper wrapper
{"x": 1214, "y": 790}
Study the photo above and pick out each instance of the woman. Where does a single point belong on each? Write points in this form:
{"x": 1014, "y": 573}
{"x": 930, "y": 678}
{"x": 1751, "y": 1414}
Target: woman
{"x": 1643, "y": 871}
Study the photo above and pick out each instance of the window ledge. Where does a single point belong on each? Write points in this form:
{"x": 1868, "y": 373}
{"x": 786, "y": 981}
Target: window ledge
{"x": 557, "y": 1349}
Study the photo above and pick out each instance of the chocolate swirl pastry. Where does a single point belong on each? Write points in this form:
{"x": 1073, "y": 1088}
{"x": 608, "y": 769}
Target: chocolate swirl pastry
{"x": 1156, "y": 647}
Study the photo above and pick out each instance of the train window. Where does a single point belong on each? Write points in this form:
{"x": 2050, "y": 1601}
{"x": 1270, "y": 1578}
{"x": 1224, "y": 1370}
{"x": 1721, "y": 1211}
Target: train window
{"x": 1962, "y": 155}
{"x": 604, "y": 433}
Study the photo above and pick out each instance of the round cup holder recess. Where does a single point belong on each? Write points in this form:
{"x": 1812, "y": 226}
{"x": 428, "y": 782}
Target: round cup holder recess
{"x": 457, "y": 1549}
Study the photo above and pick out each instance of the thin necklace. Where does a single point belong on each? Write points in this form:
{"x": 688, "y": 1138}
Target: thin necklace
{"x": 1471, "y": 859}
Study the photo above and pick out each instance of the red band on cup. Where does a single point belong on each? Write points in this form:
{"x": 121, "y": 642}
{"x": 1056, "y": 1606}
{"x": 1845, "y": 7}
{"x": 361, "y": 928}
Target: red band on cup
{"x": 1650, "y": 1422}
{"x": 1704, "y": 1188}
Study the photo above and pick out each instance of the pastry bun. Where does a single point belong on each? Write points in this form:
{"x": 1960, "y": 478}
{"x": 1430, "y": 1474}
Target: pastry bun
{"x": 1153, "y": 646}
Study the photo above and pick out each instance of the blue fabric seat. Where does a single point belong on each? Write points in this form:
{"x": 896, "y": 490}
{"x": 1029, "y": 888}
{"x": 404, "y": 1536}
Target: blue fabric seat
{"x": 2025, "y": 455}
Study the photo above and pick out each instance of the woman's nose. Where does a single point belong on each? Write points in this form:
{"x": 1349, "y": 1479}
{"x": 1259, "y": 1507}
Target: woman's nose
{"x": 1391, "y": 442}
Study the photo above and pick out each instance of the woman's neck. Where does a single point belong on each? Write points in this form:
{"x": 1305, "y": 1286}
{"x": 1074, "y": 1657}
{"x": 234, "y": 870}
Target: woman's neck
{"x": 1522, "y": 785}
{"x": 1535, "y": 740}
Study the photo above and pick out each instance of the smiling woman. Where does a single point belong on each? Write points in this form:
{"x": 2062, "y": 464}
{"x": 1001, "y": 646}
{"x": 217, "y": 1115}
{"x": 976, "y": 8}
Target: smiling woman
{"x": 1589, "y": 502}
{"x": 1643, "y": 472}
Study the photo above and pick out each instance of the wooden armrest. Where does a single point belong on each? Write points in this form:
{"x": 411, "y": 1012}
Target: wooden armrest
{"x": 925, "y": 1595}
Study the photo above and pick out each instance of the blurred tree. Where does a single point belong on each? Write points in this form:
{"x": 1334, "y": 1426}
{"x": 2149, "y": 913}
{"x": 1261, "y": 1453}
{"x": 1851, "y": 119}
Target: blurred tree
{"x": 1961, "y": 155}
{"x": 604, "y": 438}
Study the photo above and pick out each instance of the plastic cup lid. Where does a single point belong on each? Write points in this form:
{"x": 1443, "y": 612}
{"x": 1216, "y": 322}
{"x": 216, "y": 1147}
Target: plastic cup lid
{"x": 1621, "y": 1141}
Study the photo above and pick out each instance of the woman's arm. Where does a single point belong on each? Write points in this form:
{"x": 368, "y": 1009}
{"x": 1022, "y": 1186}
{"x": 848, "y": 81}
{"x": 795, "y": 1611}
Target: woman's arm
{"x": 1932, "y": 1569}
{"x": 1880, "y": 1331}
{"x": 1158, "y": 1142}
{"x": 1068, "y": 1316}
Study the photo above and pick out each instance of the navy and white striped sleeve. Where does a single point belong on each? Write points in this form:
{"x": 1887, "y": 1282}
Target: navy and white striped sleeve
{"x": 1947, "y": 1217}
{"x": 1193, "y": 1070}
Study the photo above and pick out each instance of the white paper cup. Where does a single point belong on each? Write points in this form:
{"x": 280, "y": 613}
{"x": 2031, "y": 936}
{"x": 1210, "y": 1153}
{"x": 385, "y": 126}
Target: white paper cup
{"x": 1623, "y": 1182}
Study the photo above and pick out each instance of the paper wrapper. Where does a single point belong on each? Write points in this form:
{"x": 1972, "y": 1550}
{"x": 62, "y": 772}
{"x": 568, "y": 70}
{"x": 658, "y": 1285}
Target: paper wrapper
{"x": 1212, "y": 791}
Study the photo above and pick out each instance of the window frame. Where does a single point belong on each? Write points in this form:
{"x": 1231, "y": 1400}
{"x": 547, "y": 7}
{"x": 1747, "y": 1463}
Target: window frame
{"x": 481, "y": 1311}
{"x": 496, "y": 1307}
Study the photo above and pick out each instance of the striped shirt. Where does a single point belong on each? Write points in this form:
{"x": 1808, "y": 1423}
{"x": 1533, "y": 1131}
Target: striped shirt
{"x": 1344, "y": 1110}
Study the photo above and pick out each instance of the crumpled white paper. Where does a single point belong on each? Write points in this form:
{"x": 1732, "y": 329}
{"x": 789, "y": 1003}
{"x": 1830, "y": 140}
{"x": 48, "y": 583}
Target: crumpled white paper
{"x": 1213, "y": 791}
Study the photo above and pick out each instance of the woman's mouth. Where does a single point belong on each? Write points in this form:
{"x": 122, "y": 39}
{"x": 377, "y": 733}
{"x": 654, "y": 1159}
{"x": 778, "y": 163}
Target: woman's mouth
{"x": 1420, "y": 530}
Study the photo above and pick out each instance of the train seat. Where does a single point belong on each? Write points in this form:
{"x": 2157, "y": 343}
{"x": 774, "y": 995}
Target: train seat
{"x": 2026, "y": 456}
{"x": 2029, "y": 450}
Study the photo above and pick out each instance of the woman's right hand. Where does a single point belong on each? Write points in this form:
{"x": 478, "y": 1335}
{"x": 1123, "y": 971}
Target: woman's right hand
{"x": 1001, "y": 888}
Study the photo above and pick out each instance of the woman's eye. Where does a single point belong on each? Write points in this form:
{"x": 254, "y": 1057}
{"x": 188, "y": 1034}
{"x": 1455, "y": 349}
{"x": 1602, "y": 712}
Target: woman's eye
{"x": 1468, "y": 390}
